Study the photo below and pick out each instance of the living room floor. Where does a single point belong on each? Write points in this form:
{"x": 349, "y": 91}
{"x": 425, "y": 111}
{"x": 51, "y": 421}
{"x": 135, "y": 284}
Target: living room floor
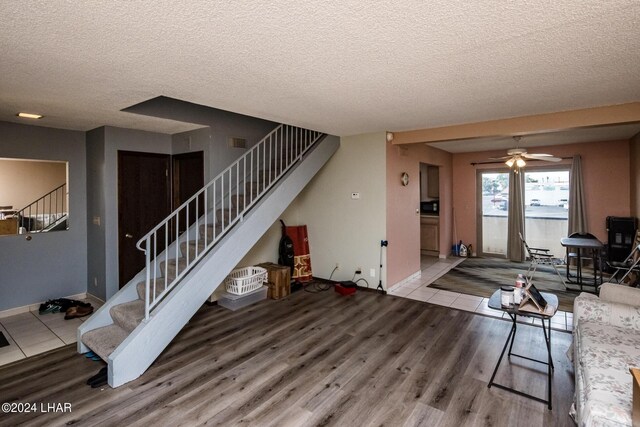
{"x": 433, "y": 268}
{"x": 312, "y": 359}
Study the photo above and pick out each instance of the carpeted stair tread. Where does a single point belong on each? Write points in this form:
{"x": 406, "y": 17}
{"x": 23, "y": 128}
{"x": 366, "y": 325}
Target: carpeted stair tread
{"x": 209, "y": 230}
{"x": 103, "y": 341}
{"x": 171, "y": 266}
{"x": 226, "y": 215}
{"x": 159, "y": 287}
{"x": 191, "y": 246}
{"x": 128, "y": 315}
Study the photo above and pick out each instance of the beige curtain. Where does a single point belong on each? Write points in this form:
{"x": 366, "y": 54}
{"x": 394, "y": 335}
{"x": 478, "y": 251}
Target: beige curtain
{"x": 577, "y": 211}
{"x": 515, "y": 248}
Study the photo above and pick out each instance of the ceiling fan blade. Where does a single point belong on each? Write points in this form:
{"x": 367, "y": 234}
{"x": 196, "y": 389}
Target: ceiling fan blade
{"x": 541, "y": 156}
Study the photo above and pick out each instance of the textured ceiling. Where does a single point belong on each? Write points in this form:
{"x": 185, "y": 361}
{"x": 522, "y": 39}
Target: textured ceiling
{"x": 344, "y": 67}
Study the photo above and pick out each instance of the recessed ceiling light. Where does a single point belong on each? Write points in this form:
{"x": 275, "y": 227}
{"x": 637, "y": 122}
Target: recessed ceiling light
{"x": 29, "y": 116}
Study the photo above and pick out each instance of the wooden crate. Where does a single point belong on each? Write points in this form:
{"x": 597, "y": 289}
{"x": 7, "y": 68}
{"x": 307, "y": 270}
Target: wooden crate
{"x": 9, "y": 226}
{"x": 278, "y": 280}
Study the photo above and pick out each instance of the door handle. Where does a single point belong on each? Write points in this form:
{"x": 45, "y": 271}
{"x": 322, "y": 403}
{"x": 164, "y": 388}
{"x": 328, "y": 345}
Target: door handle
{"x": 129, "y": 236}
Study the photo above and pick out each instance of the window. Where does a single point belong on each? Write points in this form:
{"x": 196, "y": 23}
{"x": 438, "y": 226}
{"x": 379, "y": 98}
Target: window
{"x": 546, "y": 198}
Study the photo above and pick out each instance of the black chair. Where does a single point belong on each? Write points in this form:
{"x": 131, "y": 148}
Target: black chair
{"x": 630, "y": 264}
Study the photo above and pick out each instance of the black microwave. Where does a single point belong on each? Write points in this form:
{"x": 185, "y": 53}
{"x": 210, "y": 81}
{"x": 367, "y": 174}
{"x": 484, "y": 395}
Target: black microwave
{"x": 432, "y": 207}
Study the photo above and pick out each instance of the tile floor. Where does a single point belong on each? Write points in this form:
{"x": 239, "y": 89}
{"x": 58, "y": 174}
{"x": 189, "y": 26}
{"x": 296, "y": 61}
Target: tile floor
{"x": 433, "y": 268}
{"x": 30, "y": 333}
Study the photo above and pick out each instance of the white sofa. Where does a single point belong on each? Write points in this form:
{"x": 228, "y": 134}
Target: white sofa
{"x": 606, "y": 343}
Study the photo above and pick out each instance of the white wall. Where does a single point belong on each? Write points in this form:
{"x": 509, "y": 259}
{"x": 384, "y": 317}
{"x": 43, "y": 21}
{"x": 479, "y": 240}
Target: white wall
{"x": 340, "y": 229}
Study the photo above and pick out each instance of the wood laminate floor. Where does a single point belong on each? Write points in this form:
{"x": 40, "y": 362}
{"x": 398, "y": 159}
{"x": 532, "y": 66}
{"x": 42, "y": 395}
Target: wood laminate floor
{"x": 310, "y": 359}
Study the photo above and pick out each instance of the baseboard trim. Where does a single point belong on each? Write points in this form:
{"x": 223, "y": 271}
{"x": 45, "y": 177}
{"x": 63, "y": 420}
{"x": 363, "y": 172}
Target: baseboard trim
{"x": 406, "y": 279}
{"x": 34, "y": 307}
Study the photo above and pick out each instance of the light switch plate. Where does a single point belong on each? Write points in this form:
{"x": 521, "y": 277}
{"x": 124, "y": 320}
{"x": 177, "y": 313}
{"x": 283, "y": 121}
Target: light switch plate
{"x": 355, "y": 196}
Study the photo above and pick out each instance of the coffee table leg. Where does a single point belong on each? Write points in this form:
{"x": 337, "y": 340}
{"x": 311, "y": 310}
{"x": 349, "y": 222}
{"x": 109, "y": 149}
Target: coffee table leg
{"x": 513, "y": 337}
{"x": 550, "y": 360}
{"x": 509, "y": 340}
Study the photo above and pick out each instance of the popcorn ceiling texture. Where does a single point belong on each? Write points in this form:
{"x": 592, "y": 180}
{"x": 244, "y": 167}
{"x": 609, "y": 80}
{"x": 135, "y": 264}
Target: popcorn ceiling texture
{"x": 344, "y": 68}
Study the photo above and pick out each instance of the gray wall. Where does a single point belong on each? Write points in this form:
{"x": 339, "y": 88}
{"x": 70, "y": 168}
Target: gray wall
{"x": 51, "y": 264}
{"x": 218, "y": 127}
{"x": 213, "y": 141}
{"x": 96, "y": 247}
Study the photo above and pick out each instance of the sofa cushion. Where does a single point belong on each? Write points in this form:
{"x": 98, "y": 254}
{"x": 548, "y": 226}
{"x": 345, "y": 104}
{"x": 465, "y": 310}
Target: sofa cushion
{"x": 588, "y": 307}
{"x": 605, "y": 353}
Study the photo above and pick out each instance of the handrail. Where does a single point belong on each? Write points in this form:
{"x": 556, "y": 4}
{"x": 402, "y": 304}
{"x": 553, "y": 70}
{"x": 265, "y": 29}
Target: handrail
{"x": 216, "y": 209}
{"x": 56, "y": 201}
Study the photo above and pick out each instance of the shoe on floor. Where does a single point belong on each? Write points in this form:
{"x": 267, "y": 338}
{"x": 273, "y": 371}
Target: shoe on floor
{"x": 49, "y": 307}
{"x": 78, "y": 311}
{"x": 99, "y": 379}
{"x": 102, "y": 373}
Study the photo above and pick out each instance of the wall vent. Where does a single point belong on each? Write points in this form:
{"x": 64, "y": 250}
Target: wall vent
{"x": 237, "y": 142}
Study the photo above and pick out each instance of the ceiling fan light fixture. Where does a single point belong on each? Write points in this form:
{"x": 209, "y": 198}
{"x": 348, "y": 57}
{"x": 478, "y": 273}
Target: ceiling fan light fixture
{"x": 510, "y": 162}
{"x": 520, "y": 162}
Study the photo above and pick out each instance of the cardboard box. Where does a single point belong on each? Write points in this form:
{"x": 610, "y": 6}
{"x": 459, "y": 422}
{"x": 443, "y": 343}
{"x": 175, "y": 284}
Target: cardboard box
{"x": 279, "y": 280}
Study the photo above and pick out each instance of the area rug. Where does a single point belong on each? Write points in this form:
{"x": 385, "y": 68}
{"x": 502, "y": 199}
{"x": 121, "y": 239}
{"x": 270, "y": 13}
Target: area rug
{"x": 482, "y": 276}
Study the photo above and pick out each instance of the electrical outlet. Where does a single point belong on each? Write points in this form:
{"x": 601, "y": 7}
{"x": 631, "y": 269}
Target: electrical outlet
{"x": 358, "y": 270}
{"x": 372, "y": 272}
{"x": 337, "y": 266}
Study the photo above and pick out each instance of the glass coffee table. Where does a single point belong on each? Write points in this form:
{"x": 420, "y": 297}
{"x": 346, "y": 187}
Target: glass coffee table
{"x": 513, "y": 311}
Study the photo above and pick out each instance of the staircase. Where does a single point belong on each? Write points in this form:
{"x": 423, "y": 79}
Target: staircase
{"x": 190, "y": 253}
{"x": 48, "y": 213}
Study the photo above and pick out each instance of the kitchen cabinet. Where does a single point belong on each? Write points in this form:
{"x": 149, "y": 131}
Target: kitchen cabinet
{"x": 430, "y": 234}
{"x": 433, "y": 182}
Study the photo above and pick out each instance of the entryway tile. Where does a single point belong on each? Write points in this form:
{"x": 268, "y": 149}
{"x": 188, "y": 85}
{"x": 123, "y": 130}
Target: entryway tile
{"x": 9, "y": 353}
{"x": 442, "y": 299}
{"x": 41, "y": 347}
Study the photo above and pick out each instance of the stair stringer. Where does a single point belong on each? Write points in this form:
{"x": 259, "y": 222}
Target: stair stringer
{"x": 140, "y": 349}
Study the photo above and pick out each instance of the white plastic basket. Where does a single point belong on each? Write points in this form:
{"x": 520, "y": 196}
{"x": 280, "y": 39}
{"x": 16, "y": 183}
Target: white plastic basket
{"x": 245, "y": 280}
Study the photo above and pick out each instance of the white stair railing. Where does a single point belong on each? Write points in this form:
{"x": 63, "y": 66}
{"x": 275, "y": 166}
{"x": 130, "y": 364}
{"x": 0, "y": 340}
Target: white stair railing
{"x": 216, "y": 208}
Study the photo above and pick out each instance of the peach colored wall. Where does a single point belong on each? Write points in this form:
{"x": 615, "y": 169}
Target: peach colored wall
{"x": 403, "y": 223}
{"x": 607, "y": 182}
{"x": 24, "y": 181}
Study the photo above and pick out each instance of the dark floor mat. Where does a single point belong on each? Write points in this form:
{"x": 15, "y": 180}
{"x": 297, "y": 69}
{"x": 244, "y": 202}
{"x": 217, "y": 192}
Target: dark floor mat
{"x": 3, "y": 341}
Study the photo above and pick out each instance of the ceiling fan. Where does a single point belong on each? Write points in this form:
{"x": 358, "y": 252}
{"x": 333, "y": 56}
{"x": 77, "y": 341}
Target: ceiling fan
{"x": 516, "y": 156}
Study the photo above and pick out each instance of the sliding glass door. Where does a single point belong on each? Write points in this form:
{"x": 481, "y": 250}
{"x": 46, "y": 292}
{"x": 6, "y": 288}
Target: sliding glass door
{"x": 492, "y": 213}
{"x": 546, "y": 198}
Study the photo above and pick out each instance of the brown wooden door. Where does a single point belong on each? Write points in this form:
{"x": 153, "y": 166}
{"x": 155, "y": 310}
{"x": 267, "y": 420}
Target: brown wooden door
{"x": 188, "y": 178}
{"x": 144, "y": 199}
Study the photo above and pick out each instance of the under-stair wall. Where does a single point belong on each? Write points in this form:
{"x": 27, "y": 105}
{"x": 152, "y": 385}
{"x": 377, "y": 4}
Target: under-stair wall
{"x": 148, "y": 339}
